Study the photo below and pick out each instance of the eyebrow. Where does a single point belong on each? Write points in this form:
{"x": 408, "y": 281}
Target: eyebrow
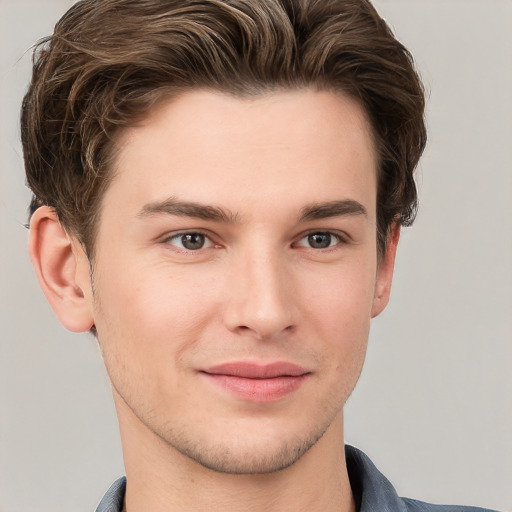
{"x": 332, "y": 209}
{"x": 173, "y": 206}
{"x": 315, "y": 211}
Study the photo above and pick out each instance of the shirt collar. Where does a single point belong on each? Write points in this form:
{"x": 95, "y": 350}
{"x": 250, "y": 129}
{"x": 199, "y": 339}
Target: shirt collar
{"x": 372, "y": 491}
{"x": 114, "y": 497}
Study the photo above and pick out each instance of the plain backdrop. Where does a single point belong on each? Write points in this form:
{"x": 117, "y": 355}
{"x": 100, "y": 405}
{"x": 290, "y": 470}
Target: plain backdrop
{"x": 433, "y": 408}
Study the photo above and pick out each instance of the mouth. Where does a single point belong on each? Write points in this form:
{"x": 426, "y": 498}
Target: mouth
{"x": 257, "y": 382}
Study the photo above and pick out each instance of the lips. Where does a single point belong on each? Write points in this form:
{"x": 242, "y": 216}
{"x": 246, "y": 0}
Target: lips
{"x": 257, "y": 382}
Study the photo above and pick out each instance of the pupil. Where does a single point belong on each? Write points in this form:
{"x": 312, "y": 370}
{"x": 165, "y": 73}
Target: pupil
{"x": 320, "y": 240}
{"x": 192, "y": 241}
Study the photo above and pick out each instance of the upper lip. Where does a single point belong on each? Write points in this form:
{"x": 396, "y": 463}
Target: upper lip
{"x": 252, "y": 370}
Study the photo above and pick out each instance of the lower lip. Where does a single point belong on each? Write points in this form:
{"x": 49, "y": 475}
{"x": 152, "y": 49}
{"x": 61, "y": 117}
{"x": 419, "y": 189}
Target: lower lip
{"x": 258, "y": 390}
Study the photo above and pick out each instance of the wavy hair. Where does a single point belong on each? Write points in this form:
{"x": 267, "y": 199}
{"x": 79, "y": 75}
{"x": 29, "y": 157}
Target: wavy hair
{"x": 109, "y": 61}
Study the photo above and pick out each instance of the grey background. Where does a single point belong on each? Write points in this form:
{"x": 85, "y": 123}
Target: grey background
{"x": 434, "y": 405}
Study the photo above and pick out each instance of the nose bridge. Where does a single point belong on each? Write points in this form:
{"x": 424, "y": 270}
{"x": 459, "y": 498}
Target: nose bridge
{"x": 260, "y": 298}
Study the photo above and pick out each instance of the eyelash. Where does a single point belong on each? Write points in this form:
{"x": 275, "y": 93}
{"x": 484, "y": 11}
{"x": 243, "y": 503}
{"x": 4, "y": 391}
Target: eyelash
{"x": 339, "y": 239}
{"x": 181, "y": 234}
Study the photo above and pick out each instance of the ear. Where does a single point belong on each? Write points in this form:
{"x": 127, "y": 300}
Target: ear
{"x": 63, "y": 271}
{"x": 385, "y": 271}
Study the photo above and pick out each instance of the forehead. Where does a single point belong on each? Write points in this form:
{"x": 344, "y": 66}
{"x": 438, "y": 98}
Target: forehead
{"x": 215, "y": 148}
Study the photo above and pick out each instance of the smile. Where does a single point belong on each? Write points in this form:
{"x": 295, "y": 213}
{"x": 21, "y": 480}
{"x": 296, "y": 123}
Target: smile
{"x": 258, "y": 383}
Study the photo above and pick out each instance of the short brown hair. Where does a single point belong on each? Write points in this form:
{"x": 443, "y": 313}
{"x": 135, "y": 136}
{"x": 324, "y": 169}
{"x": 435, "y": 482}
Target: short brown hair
{"x": 109, "y": 61}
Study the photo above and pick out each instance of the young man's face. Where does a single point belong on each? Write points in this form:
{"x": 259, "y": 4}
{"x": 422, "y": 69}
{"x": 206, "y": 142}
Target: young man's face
{"x": 236, "y": 273}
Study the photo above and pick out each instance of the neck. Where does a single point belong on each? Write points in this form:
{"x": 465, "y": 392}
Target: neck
{"x": 161, "y": 479}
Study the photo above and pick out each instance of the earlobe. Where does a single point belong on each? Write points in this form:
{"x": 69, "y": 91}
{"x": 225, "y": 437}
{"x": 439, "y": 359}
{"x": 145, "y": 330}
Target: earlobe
{"x": 58, "y": 263}
{"x": 385, "y": 271}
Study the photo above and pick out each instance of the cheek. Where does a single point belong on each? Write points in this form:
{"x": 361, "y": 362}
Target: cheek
{"x": 339, "y": 310}
{"x": 342, "y": 297}
{"x": 150, "y": 312}
{"x": 146, "y": 327}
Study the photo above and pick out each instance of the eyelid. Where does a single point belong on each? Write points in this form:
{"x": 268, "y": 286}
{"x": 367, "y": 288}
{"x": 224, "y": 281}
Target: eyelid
{"x": 175, "y": 235}
{"x": 341, "y": 236}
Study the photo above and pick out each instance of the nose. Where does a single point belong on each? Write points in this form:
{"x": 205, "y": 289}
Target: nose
{"x": 259, "y": 296}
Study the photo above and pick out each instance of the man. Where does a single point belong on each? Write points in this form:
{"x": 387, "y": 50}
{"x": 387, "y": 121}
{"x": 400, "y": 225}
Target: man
{"x": 218, "y": 194}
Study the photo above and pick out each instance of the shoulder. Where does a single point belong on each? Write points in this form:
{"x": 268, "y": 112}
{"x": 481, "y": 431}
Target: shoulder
{"x": 114, "y": 497}
{"x": 374, "y": 492}
{"x": 420, "y": 506}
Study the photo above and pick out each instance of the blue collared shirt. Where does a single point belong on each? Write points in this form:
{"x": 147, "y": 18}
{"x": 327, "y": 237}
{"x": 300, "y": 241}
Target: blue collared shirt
{"x": 373, "y": 492}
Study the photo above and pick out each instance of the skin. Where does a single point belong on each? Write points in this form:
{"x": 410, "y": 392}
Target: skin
{"x": 244, "y": 179}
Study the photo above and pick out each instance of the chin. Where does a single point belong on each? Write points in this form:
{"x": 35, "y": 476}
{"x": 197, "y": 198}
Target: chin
{"x": 240, "y": 456}
{"x": 244, "y": 461}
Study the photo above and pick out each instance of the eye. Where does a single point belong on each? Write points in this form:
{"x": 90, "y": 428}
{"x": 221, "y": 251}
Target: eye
{"x": 320, "y": 240}
{"x": 192, "y": 241}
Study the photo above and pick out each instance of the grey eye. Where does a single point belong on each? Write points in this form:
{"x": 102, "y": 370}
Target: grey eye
{"x": 190, "y": 241}
{"x": 319, "y": 240}
{"x": 193, "y": 241}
